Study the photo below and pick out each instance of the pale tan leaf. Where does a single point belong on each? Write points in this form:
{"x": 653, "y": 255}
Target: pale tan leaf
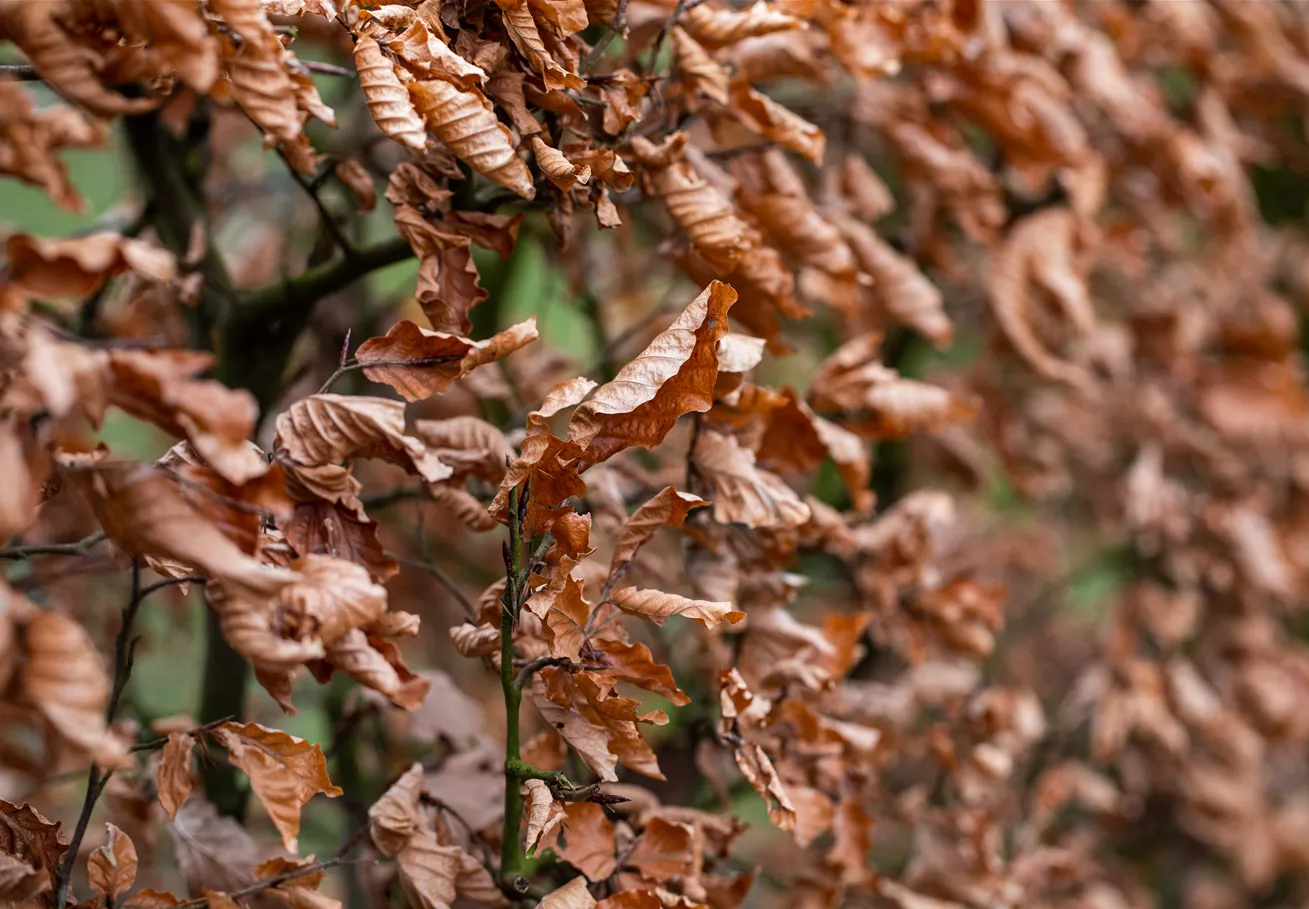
{"x": 387, "y": 97}
{"x": 543, "y": 813}
{"x": 556, "y": 166}
{"x": 475, "y": 640}
{"x": 673, "y": 376}
{"x": 466, "y": 123}
{"x": 657, "y": 606}
{"x": 63, "y": 676}
{"x": 429, "y": 57}
{"x": 395, "y": 817}
{"x": 111, "y": 869}
{"x": 284, "y": 771}
{"x": 335, "y": 594}
{"x": 523, "y": 31}
{"x": 744, "y": 493}
{"x": 428, "y": 871}
{"x": 376, "y": 664}
{"x": 703, "y": 74}
{"x": 775, "y": 123}
{"x": 213, "y": 852}
{"x": 78, "y": 266}
{"x": 326, "y": 429}
{"x": 568, "y": 16}
{"x": 173, "y": 778}
{"x": 470, "y": 445}
{"x": 572, "y": 895}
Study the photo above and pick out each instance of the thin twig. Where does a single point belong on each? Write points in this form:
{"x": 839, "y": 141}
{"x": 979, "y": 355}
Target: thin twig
{"x": 124, "y": 652}
{"x": 327, "y": 69}
{"x": 311, "y": 188}
{"x": 293, "y": 874}
{"x": 445, "y": 580}
{"x": 414, "y": 363}
{"x": 79, "y": 547}
{"x": 617, "y": 26}
{"x": 24, "y": 72}
{"x": 173, "y": 582}
{"x": 537, "y": 664}
{"x": 657, "y": 48}
{"x": 156, "y": 744}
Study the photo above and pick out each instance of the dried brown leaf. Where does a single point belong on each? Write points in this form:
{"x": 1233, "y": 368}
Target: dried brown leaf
{"x": 173, "y": 778}
{"x": 439, "y": 358}
{"x": 744, "y": 493}
{"x": 111, "y": 869}
{"x": 657, "y": 606}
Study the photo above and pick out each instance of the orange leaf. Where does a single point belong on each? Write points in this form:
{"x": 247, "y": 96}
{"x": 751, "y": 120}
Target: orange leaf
{"x": 111, "y": 869}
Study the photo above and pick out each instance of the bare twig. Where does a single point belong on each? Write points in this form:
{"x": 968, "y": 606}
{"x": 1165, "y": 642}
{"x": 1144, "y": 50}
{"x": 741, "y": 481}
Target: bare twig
{"x": 172, "y": 582}
{"x": 24, "y": 72}
{"x": 617, "y": 27}
{"x": 444, "y": 579}
{"x": 419, "y": 363}
{"x": 657, "y": 48}
{"x": 79, "y": 547}
{"x": 327, "y": 69}
{"x": 156, "y": 744}
{"x": 539, "y": 663}
{"x": 311, "y": 188}
{"x": 124, "y": 653}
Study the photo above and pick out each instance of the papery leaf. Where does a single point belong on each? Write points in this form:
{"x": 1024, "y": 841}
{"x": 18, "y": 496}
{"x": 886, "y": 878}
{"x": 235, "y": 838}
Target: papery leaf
{"x": 160, "y": 386}
{"x": 387, "y": 97}
{"x": 111, "y": 869}
{"x": 664, "y": 850}
{"x": 572, "y": 895}
{"x": 394, "y": 818}
{"x": 523, "y": 31}
{"x": 428, "y": 57}
{"x": 585, "y": 840}
{"x": 78, "y": 266}
{"x": 173, "y": 778}
{"x": 376, "y": 664}
{"x": 543, "y": 813}
{"x": 588, "y": 740}
{"x": 213, "y": 851}
{"x": 562, "y": 173}
{"x": 326, "y": 429}
{"x": 34, "y": 137}
{"x": 657, "y": 606}
{"x": 406, "y": 343}
{"x": 673, "y": 376}
{"x": 715, "y": 26}
{"x": 704, "y": 75}
{"x": 667, "y": 508}
{"x": 284, "y": 771}
{"x": 701, "y": 210}
{"x": 428, "y": 871}
{"x": 744, "y": 493}
{"x": 63, "y": 676}
{"x": 465, "y": 122}
{"x": 32, "y": 840}
{"x": 770, "y": 120}
{"x": 469, "y": 445}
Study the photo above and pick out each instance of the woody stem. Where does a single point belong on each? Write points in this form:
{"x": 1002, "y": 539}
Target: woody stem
{"x": 511, "y": 853}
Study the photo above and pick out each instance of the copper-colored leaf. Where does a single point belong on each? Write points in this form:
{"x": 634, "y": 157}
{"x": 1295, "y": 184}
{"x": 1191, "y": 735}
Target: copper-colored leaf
{"x": 173, "y": 779}
{"x": 160, "y": 386}
{"x": 284, "y": 771}
{"x": 585, "y": 840}
{"x": 673, "y": 376}
{"x": 666, "y": 508}
{"x": 657, "y": 606}
{"x": 386, "y": 96}
{"x": 665, "y": 849}
{"x": 572, "y": 895}
{"x": 326, "y": 429}
{"x": 744, "y": 493}
{"x": 523, "y": 31}
{"x": 111, "y": 869}
{"x": 561, "y": 172}
{"x": 78, "y": 266}
{"x": 465, "y": 122}
{"x": 770, "y": 120}
{"x": 714, "y": 26}
{"x": 32, "y": 840}
{"x": 63, "y": 676}
{"x": 588, "y": 740}
{"x": 437, "y": 358}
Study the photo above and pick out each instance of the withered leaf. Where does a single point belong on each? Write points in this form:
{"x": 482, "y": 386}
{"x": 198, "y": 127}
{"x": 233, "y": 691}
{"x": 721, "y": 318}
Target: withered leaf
{"x": 543, "y": 813}
{"x": 428, "y": 871}
{"x": 325, "y": 429}
{"x": 28, "y": 837}
{"x": 585, "y": 840}
{"x": 173, "y": 779}
{"x": 572, "y": 895}
{"x": 438, "y": 358}
{"x": 465, "y": 122}
{"x": 588, "y": 740}
{"x": 386, "y": 96}
{"x": 668, "y": 507}
{"x": 284, "y": 771}
{"x": 657, "y": 606}
{"x": 673, "y": 376}
{"x": 111, "y": 869}
{"x": 395, "y": 817}
{"x": 743, "y": 492}
{"x": 555, "y": 165}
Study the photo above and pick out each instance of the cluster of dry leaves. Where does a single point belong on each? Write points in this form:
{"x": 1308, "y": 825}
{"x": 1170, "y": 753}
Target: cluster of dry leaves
{"x": 684, "y": 570}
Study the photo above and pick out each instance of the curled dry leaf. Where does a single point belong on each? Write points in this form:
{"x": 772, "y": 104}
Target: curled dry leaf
{"x": 561, "y": 172}
{"x": 775, "y": 123}
{"x": 667, "y": 508}
{"x": 428, "y": 871}
{"x": 213, "y": 851}
{"x": 572, "y": 895}
{"x": 111, "y": 869}
{"x": 715, "y": 26}
{"x": 587, "y": 739}
{"x": 673, "y": 376}
{"x": 523, "y": 31}
{"x": 76, "y": 267}
{"x": 387, "y": 97}
{"x": 173, "y": 778}
{"x": 744, "y": 493}
{"x": 326, "y": 429}
{"x": 160, "y": 387}
{"x": 708, "y": 218}
{"x": 33, "y": 847}
{"x": 395, "y": 817}
{"x": 704, "y": 75}
{"x": 585, "y": 840}
{"x": 543, "y": 813}
{"x": 284, "y": 771}
{"x": 657, "y": 606}
{"x": 465, "y": 122}
{"x": 438, "y": 358}
{"x": 63, "y": 677}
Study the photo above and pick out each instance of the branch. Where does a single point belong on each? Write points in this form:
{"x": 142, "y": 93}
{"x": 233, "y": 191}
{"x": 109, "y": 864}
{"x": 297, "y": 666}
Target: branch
{"x": 512, "y": 881}
{"x": 303, "y": 291}
{"x": 539, "y": 663}
{"x": 617, "y": 26}
{"x": 80, "y": 547}
{"x": 124, "y": 651}
{"x": 445, "y": 580}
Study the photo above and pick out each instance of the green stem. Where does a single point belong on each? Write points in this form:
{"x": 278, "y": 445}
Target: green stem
{"x": 511, "y": 850}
